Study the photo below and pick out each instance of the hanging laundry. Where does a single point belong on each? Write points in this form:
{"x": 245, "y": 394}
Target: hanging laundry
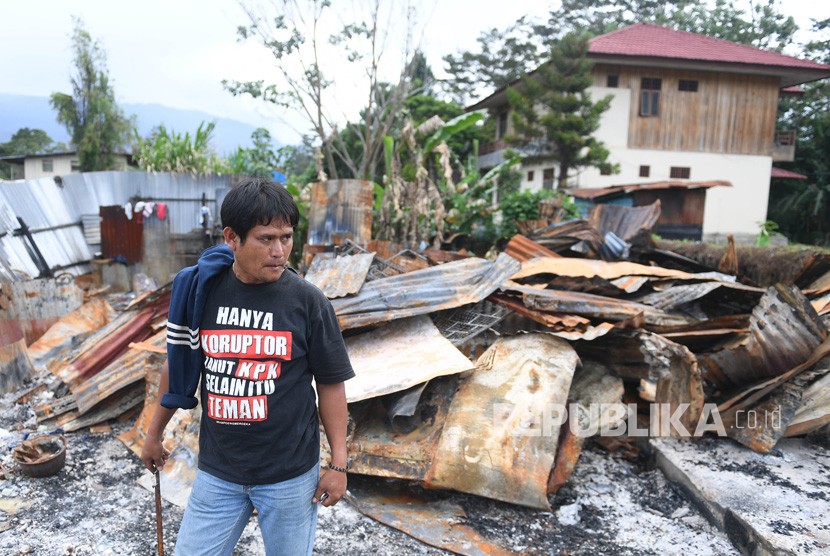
{"x": 161, "y": 210}
{"x": 148, "y": 209}
{"x": 128, "y": 210}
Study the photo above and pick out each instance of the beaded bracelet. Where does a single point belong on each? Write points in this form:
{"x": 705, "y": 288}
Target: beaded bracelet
{"x": 341, "y": 469}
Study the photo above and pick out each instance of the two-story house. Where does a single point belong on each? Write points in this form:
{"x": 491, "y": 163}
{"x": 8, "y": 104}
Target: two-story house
{"x": 686, "y": 108}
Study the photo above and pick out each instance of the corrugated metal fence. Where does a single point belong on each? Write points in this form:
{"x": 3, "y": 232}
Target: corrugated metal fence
{"x": 59, "y": 214}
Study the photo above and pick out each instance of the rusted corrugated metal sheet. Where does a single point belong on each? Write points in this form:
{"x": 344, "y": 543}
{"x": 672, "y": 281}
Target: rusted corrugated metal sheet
{"x": 600, "y": 192}
{"x": 436, "y": 524}
{"x": 69, "y": 331}
{"x": 523, "y": 249}
{"x": 122, "y": 236}
{"x": 565, "y": 266}
{"x": 340, "y": 209}
{"x": 499, "y": 438}
{"x": 402, "y": 449}
{"x": 339, "y": 276}
{"x": 678, "y": 295}
{"x": 784, "y": 330}
{"x": 624, "y": 222}
{"x": 569, "y": 327}
{"x": 15, "y": 364}
{"x": 424, "y": 291}
{"x": 129, "y": 368}
{"x": 592, "y": 306}
{"x": 413, "y": 347}
{"x": 38, "y": 304}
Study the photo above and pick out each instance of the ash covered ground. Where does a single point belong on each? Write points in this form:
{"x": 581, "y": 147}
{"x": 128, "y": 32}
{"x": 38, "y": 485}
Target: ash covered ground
{"x": 94, "y": 506}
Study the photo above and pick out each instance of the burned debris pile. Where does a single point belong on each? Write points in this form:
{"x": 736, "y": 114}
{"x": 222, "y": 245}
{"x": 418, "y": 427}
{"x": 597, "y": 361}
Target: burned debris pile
{"x": 480, "y": 375}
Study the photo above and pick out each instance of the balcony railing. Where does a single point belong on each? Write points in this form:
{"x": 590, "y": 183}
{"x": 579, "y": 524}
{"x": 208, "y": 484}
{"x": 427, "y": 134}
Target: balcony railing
{"x": 783, "y": 147}
{"x": 487, "y": 148}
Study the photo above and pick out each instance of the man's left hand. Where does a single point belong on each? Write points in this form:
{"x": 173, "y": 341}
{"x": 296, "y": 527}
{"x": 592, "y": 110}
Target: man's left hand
{"x": 333, "y": 485}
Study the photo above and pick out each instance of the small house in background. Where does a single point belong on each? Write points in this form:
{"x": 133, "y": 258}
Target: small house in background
{"x": 47, "y": 165}
{"x": 684, "y": 107}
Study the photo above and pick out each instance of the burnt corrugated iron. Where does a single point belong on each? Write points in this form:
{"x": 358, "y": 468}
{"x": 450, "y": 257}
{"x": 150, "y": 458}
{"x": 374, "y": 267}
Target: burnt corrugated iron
{"x": 437, "y": 524}
{"x": 568, "y": 266}
{"x": 15, "y": 364}
{"x": 678, "y": 295}
{"x": 570, "y": 327}
{"x": 600, "y": 192}
{"x": 424, "y": 291}
{"x": 499, "y": 438}
{"x": 523, "y": 249}
{"x": 783, "y": 330}
{"x": 340, "y": 209}
{"x": 38, "y": 304}
{"x": 70, "y": 330}
{"x": 413, "y": 347}
{"x": 593, "y": 306}
{"x": 122, "y": 236}
{"x": 624, "y": 222}
{"x": 339, "y": 276}
{"x": 128, "y": 368}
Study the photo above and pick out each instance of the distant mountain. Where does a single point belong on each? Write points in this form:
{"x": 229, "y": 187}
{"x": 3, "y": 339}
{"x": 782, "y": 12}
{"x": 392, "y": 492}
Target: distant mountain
{"x": 17, "y": 111}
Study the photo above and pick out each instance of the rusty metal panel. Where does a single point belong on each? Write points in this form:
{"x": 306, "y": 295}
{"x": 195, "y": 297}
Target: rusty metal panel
{"x": 499, "y": 439}
{"x": 600, "y": 192}
{"x": 677, "y": 295}
{"x": 565, "y": 266}
{"x": 122, "y": 236}
{"x": 784, "y": 329}
{"x": 594, "y": 306}
{"x": 434, "y": 523}
{"x": 340, "y": 209}
{"x": 403, "y": 448}
{"x": 412, "y": 349}
{"x": 624, "y": 222}
{"x": 70, "y": 330}
{"x": 424, "y": 291}
{"x": 339, "y": 276}
{"x": 523, "y": 249}
{"x": 38, "y": 304}
{"x": 127, "y": 369}
{"x": 15, "y": 364}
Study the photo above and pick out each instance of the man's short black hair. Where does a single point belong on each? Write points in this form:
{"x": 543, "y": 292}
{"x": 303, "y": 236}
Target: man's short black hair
{"x": 257, "y": 201}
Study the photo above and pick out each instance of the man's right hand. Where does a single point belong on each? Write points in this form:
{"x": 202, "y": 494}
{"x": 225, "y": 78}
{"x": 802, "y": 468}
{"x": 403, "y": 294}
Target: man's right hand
{"x": 154, "y": 454}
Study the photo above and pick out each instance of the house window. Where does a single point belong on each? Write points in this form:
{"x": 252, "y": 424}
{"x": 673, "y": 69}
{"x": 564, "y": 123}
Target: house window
{"x": 75, "y": 166}
{"x": 680, "y": 172}
{"x": 689, "y": 85}
{"x": 547, "y": 178}
{"x": 645, "y": 171}
{"x": 650, "y": 96}
{"x": 502, "y": 125}
{"x": 612, "y": 81}
{"x": 530, "y": 175}
{"x": 46, "y": 165}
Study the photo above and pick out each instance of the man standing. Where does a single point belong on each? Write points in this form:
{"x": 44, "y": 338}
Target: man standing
{"x": 255, "y": 334}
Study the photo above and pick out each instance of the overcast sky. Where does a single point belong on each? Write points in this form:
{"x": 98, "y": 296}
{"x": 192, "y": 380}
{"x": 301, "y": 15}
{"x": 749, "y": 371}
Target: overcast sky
{"x": 176, "y": 52}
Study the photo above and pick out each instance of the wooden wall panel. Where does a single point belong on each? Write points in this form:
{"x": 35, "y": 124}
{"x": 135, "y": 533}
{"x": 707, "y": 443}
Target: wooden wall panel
{"x": 730, "y": 113}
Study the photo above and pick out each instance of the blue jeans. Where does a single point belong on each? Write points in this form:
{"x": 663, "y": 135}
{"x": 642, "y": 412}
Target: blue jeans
{"x": 218, "y": 511}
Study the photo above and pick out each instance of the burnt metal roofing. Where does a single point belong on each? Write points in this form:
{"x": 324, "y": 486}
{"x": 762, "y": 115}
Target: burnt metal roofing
{"x": 600, "y": 192}
{"x": 424, "y": 291}
{"x": 339, "y": 276}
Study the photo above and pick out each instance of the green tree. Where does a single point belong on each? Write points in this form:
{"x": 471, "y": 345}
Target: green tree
{"x": 170, "y": 151}
{"x": 25, "y": 141}
{"x": 553, "y": 114}
{"x": 97, "y": 126}
{"x": 802, "y": 208}
{"x": 258, "y": 160}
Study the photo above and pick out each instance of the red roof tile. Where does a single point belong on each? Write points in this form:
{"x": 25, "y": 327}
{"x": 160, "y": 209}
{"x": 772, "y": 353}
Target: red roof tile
{"x": 649, "y": 40}
{"x": 782, "y": 173}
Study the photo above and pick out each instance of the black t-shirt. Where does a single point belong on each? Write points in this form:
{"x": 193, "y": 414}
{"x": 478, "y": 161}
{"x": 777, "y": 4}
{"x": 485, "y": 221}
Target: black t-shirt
{"x": 263, "y": 343}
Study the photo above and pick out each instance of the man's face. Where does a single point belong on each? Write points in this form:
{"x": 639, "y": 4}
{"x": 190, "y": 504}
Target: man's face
{"x": 262, "y": 257}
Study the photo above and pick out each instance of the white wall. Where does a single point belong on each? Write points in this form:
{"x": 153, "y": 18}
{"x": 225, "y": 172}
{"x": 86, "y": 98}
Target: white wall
{"x": 61, "y": 165}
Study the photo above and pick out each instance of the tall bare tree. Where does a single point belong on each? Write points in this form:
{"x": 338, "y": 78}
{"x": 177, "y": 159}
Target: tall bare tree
{"x": 294, "y": 32}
